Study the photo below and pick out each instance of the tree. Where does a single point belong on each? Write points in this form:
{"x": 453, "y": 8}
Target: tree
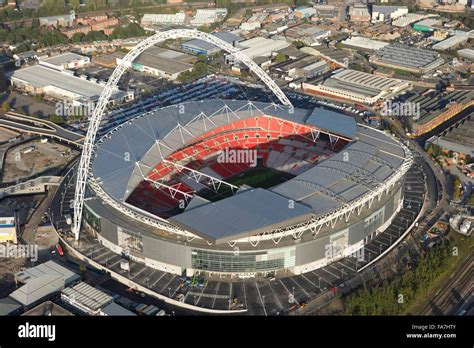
{"x": 5, "y": 106}
{"x": 280, "y": 58}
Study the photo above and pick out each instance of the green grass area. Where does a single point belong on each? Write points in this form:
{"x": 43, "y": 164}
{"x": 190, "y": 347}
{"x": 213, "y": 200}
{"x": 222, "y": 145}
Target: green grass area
{"x": 415, "y": 285}
{"x": 255, "y": 177}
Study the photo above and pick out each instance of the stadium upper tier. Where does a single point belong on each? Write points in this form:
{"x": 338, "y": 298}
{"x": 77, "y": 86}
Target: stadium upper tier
{"x": 336, "y": 166}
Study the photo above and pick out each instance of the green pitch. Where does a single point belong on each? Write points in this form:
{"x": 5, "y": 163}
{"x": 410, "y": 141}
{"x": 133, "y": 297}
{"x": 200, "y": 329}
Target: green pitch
{"x": 255, "y": 177}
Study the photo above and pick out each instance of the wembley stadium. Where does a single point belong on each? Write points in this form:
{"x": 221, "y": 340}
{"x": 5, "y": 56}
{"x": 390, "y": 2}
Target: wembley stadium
{"x": 320, "y": 187}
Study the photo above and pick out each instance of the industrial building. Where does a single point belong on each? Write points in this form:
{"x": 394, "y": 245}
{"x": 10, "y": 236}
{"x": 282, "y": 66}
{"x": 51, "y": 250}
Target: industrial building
{"x": 358, "y": 87}
{"x": 306, "y": 66}
{"x": 428, "y": 24}
{"x": 62, "y": 85}
{"x": 257, "y": 47}
{"x": 359, "y": 13}
{"x": 208, "y": 16}
{"x": 148, "y": 20}
{"x": 335, "y": 58}
{"x": 9, "y": 306}
{"x": 86, "y": 298}
{"x": 40, "y": 282}
{"x": 198, "y": 46}
{"x": 62, "y": 20}
{"x": 304, "y": 12}
{"x": 360, "y": 42}
{"x": 450, "y": 43}
{"x": 306, "y": 33}
{"x": 408, "y": 19}
{"x": 65, "y": 61}
{"x": 437, "y": 108}
{"x": 467, "y": 53}
{"x": 8, "y": 229}
{"x": 381, "y": 13}
{"x": 408, "y": 58}
{"x": 162, "y": 62}
{"x": 459, "y": 139}
{"x": 325, "y": 11}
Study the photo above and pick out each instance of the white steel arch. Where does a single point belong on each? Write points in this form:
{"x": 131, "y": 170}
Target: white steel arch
{"x": 94, "y": 122}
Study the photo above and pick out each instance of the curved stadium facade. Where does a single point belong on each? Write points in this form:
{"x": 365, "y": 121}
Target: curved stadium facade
{"x": 168, "y": 188}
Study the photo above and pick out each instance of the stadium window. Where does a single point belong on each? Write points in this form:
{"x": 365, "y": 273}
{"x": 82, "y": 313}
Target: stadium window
{"x": 246, "y": 136}
{"x": 280, "y": 137}
{"x": 268, "y": 136}
{"x": 257, "y": 135}
{"x": 236, "y": 137}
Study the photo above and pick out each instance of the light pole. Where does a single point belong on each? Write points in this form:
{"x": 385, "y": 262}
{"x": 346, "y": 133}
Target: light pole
{"x": 169, "y": 292}
{"x": 319, "y": 278}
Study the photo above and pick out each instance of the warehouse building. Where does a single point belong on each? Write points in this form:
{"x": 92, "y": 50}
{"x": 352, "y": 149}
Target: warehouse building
{"x": 408, "y": 19}
{"x": 450, "y": 43}
{"x": 208, "y": 16}
{"x": 162, "y": 63}
{"x": 360, "y": 42}
{"x": 160, "y": 19}
{"x": 467, "y": 53}
{"x": 86, "y": 298}
{"x": 428, "y": 24}
{"x": 304, "y": 12}
{"x": 359, "y": 13}
{"x": 62, "y": 85}
{"x": 257, "y": 47}
{"x": 198, "y": 46}
{"x": 358, "y": 87}
{"x": 40, "y": 282}
{"x": 65, "y": 61}
{"x": 381, "y": 13}
{"x": 307, "y": 34}
{"x": 62, "y": 20}
{"x": 408, "y": 58}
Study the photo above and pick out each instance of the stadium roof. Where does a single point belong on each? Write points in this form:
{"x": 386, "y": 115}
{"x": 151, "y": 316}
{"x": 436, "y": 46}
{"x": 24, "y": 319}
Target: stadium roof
{"x": 367, "y": 161}
{"x": 333, "y": 122}
{"x": 250, "y": 211}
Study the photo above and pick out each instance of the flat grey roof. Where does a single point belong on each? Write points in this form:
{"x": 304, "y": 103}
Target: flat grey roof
{"x": 114, "y": 309}
{"x": 204, "y": 45}
{"x": 333, "y": 122}
{"x": 41, "y": 281}
{"x": 8, "y": 305}
{"x": 88, "y": 296}
{"x": 41, "y": 76}
{"x": 408, "y": 56}
{"x": 64, "y": 58}
{"x": 236, "y": 216}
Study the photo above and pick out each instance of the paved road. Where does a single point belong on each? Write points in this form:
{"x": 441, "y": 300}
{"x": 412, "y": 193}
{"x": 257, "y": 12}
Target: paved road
{"x": 32, "y": 225}
{"x": 27, "y": 124}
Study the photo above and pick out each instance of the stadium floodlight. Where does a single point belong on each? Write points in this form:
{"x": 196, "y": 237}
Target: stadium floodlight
{"x": 94, "y": 122}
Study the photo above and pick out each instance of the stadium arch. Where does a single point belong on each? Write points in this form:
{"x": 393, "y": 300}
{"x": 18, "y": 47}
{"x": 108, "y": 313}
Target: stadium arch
{"x": 94, "y": 122}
